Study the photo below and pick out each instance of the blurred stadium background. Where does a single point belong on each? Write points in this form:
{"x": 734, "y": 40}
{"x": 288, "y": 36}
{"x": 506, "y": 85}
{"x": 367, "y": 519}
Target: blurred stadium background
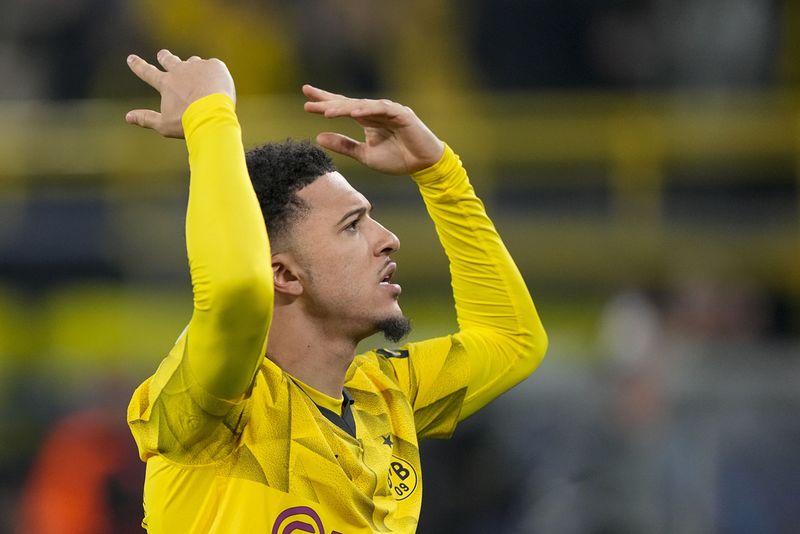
{"x": 640, "y": 157}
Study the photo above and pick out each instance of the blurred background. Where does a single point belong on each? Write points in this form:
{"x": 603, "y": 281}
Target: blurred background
{"x": 641, "y": 158}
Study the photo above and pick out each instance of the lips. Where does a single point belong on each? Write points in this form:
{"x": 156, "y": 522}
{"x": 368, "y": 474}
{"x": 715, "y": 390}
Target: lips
{"x": 387, "y": 272}
{"x": 385, "y": 281}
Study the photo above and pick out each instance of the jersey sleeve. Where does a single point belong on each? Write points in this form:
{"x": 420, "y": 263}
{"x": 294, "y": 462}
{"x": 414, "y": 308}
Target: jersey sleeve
{"x": 213, "y": 365}
{"x": 500, "y": 340}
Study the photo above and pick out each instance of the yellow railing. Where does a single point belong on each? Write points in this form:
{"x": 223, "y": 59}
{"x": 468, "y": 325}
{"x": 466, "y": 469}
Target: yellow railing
{"x": 633, "y": 139}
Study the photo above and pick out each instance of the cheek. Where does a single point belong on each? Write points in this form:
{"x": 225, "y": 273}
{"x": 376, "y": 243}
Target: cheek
{"x": 344, "y": 281}
{"x": 332, "y": 275}
{"x": 340, "y": 267}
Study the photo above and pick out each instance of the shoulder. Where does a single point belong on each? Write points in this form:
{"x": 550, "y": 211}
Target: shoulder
{"x": 380, "y": 357}
{"x": 378, "y": 362}
{"x": 377, "y": 383}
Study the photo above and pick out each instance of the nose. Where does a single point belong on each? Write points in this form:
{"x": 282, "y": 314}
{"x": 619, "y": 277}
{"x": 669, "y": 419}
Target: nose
{"x": 387, "y": 243}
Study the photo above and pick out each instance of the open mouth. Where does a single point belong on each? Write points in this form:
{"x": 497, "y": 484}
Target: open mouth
{"x": 388, "y": 273}
{"x": 386, "y": 279}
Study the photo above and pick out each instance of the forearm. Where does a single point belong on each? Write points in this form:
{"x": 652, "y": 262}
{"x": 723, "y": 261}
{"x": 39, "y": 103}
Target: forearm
{"x": 498, "y": 323}
{"x": 229, "y": 256}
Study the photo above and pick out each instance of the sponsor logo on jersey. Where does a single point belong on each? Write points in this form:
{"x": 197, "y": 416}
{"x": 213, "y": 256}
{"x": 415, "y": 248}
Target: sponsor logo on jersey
{"x": 402, "y": 478}
{"x": 299, "y": 519}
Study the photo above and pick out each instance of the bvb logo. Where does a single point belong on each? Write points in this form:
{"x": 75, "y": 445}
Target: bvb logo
{"x": 299, "y": 519}
{"x": 402, "y": 478}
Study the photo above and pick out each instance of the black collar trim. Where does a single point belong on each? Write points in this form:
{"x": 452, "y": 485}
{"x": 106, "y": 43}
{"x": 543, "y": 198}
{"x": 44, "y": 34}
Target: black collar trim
{"x": 344, "y": 421}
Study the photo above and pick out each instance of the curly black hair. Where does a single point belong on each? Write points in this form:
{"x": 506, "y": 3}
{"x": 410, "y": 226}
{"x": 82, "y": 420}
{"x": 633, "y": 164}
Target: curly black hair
{"x": 278, "y": 171}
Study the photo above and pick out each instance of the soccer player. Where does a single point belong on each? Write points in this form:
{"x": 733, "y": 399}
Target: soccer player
{"x": 262, "y": 418}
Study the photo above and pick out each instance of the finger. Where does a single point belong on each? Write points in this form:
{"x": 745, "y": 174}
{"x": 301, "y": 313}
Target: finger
{"x": 146, "y": 118}
{"x": 317, "y": 94}
{"x": 377, "y": 109}
{"x": 193, "y": 58}
{"x": 342, "y": 107}
{"x": 371, "y": 112}
{"x": 315, "y": 107}
{"x": 145, "y": 71}
{"x": 167, "y": 59}
{"x": 341, "y": 144}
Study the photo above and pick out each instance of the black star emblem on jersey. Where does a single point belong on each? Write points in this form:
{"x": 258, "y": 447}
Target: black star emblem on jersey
{"x": 387, "y": 440}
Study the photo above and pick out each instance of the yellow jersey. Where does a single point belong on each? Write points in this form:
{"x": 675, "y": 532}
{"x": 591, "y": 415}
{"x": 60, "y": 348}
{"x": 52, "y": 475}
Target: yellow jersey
{"x": 235, "y": 444}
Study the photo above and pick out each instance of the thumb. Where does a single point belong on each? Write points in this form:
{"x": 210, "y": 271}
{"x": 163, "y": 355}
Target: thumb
{"x": 146, "y": 118}
{"x": 341, "y": 144}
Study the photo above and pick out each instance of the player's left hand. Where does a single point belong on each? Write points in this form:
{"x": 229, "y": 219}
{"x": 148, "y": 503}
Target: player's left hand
{"x": 396, "y": 141}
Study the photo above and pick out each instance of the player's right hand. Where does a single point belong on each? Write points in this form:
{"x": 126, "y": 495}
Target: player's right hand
{"x": 180, "y": 84}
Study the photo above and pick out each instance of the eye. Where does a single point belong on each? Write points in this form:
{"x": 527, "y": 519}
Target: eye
{"x": 353, "y": 226}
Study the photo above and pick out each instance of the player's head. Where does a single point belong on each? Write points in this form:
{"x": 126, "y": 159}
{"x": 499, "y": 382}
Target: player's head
{"x": 278, "y": 171}
{"x": 330, "y": 257}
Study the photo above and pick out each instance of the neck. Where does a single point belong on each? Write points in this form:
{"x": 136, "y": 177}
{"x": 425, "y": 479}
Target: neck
{"x": 310, "y": 352}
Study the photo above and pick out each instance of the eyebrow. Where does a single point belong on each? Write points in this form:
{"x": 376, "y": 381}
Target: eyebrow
{"x": 360, "y": 211}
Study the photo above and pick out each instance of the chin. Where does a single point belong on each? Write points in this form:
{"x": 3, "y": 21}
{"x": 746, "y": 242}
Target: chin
{"x": 394, "y": 328}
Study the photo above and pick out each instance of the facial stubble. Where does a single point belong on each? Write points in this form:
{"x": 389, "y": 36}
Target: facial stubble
{"x": 394, "y": 328}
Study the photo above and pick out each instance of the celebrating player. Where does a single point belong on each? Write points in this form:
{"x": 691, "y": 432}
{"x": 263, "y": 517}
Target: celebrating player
{"x": 262, "y": 418}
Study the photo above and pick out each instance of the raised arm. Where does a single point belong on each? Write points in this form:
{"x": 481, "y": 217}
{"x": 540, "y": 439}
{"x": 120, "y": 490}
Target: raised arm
{"x": 499, "y": 328}
{"x": 226, "y": 240}
{"x": 500, "y": 333}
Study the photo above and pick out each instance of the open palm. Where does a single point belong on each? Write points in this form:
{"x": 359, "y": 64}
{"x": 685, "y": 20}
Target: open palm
{"x": 395, "y": 141}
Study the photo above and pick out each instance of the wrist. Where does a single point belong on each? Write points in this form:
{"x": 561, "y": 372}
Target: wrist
{"x": 197, "y": 113}
{"x": 431, "y": 159}
{"x": 448, "y": 162}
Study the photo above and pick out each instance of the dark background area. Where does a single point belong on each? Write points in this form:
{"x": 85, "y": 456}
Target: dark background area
{"x": 639, "y": 157}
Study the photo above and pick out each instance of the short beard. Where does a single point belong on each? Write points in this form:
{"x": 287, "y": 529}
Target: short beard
{"x": 394, "y": 328}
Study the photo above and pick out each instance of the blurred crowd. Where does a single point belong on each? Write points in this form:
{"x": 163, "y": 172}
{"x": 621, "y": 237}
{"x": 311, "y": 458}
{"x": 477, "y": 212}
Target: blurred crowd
{"x": 68, "y": 50}
{"x": 664, "y": 406}
{"x": 686, "y": 424}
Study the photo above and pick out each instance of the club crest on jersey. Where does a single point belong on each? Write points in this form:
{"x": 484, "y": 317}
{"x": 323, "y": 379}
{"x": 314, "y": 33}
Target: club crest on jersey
{"x": 402, "y": 478}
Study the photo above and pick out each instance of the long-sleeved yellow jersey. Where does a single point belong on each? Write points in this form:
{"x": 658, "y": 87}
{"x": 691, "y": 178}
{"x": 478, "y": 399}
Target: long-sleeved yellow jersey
{"x": 234, "y": 444}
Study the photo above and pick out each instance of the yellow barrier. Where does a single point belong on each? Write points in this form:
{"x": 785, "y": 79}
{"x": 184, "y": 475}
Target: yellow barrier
{"x": 630, "y": 141}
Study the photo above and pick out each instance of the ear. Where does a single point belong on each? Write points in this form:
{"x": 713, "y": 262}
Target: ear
{"x": 284, "y": 275}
